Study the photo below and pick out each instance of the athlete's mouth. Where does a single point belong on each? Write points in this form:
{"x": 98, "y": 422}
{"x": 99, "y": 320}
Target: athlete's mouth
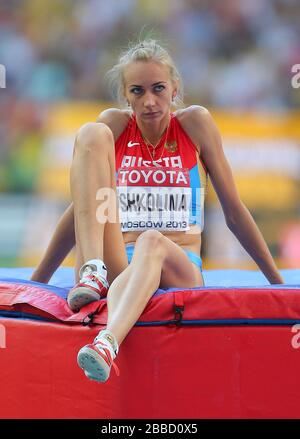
{"x": 151, "y": 114}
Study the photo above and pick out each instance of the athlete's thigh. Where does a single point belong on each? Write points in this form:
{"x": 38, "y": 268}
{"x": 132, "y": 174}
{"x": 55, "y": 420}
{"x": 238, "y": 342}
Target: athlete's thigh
{"x": 115, "y": 256}
{"x": 177, "y": 270}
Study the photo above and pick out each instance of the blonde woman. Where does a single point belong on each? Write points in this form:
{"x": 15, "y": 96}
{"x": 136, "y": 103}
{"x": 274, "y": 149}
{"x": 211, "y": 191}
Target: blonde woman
{"x": 138, "y": 181}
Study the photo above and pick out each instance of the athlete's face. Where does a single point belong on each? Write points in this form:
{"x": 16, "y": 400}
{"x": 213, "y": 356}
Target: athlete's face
{"x": 149, "y": 89}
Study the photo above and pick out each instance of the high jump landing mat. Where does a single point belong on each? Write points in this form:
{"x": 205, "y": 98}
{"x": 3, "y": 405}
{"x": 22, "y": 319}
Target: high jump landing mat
{"x": 230, "y": 349}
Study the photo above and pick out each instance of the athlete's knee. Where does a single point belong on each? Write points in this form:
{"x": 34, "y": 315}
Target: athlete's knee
{"x": 150, "y": 240}
{"x": 94, "y": 136}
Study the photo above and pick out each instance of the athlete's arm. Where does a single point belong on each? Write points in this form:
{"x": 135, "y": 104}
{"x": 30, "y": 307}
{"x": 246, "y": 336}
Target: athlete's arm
{"x": 62, "y": 241}
{"x": 237, "y": 216}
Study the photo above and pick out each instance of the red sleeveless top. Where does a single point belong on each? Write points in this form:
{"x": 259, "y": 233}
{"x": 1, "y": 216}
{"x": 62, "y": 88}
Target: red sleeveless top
{"x": 165, "y": 192}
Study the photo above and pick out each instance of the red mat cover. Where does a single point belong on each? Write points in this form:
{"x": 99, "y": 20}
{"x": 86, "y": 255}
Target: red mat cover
{"x": 201, "y": 353}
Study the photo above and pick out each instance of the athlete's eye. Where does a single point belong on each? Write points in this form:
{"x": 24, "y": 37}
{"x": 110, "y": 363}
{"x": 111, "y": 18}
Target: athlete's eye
{"x": 159, "y": 87}
{"x": 136, "y": 90}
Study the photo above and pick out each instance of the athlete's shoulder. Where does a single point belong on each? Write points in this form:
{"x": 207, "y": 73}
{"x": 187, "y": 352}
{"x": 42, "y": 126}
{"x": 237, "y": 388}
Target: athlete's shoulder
{"x": 193, "y": 120}
{"x": 192, "y": 114}
{"x": 115, "y": 119}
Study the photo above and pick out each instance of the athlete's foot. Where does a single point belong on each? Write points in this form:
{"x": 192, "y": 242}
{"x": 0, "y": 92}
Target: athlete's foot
{"x": 91, "y": 287}
{"x": 96, "y": 359}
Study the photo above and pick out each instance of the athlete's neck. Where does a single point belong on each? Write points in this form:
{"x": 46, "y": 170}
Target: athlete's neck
{"x": 153, "y": 130}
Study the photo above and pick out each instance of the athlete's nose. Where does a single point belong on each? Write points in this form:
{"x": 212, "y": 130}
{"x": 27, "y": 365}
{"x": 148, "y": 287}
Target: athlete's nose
{"x": 149, "y": 100}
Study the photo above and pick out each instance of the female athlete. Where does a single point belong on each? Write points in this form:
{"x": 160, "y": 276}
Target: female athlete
{"x": 138, "y": 180}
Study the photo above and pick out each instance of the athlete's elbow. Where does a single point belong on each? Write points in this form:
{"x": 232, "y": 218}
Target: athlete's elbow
{"x": 230, "y": 222}
{"x": 233, "y": 215}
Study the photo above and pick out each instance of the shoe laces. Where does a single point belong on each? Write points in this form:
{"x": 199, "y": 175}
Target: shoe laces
{"x": 94, "y": 276}
{"x": 109, "y": 342}
{"x": 104, "y": 350}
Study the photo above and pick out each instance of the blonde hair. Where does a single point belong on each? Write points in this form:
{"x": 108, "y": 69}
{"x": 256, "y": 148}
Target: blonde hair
{"x": 146, "y": 50}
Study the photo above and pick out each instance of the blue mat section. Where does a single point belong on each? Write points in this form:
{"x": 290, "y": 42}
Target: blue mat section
{"x": 63, "y": 278}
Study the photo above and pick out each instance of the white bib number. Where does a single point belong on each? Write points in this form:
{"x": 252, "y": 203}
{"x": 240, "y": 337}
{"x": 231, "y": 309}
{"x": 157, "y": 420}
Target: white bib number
{"x": 163, "y": 204}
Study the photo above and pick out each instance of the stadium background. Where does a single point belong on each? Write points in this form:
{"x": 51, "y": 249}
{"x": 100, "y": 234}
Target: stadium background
{"x": 235, "y": 57}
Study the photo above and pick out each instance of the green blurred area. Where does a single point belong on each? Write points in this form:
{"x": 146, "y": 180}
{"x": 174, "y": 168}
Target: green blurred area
{"x": 19, "y": 173}
{"x": 235, "y": 58}
{"x": 265, "y": 160}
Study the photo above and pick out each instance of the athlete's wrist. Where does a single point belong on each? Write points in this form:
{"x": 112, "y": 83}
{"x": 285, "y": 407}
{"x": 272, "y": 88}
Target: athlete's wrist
{"x": 40, "y": 275}
{"x": 275, "y": 278}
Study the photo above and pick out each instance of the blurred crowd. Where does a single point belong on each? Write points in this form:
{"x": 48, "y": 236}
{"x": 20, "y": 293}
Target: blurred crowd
{"x": 231, "y": 54}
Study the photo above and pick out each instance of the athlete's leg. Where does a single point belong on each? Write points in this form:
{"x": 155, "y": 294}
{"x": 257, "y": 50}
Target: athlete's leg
{"x": 93, "y": 168}
{"x": 115, "y": 256}
{"x": 78, "y": 262}
{"x": 115, "y": 262}
{"x": 90, "y": 171}
{"x": 157, "y": 262}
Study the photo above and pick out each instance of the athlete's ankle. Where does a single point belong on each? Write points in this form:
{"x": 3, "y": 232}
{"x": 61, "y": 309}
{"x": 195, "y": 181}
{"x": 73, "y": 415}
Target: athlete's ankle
{"x": 109, "y": 339}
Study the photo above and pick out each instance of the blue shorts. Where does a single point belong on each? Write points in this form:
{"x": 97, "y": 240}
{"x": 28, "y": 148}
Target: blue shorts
{"x": 195, "y": 259}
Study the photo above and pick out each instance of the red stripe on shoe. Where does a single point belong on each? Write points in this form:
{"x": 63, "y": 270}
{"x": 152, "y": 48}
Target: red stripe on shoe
{"x": 107, "y": 358}
{"x": 87, "y": 286}
{"x": 102, "y": 290}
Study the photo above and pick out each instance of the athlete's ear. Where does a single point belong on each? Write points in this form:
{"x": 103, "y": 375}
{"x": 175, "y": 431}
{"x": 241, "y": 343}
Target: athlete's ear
{"x": 175, "y": 91}
{"x": 126, "y": 99}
